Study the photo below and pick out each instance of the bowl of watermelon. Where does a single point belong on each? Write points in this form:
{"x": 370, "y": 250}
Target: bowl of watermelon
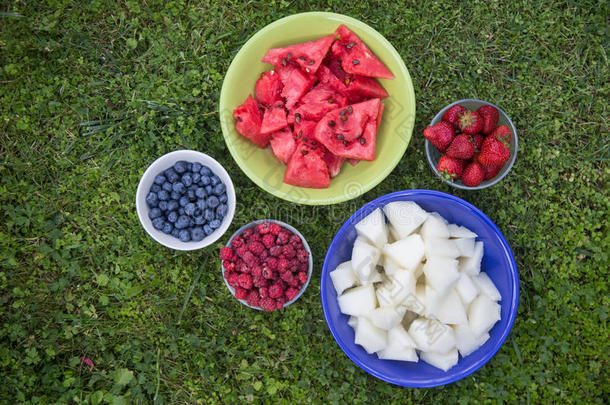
{"x": 317, "y": 108}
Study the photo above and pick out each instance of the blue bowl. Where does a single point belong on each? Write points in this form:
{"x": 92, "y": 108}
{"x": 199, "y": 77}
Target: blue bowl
{"x": 498, "y": 263}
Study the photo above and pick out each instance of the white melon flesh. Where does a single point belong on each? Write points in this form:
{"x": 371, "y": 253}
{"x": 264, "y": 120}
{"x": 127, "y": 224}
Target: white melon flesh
{"x": 466, "y": 341}
{"x": 487, "y": 286}
{"x": 384, "y": 296}
{"x": 418, "y": 271}
{"x": 405, "y": 217}
{"x": 358, "y": 301}
{"x": 483, "y": 314}
{"x": 420, "y": 296}
{"x": 402, "y": 286}
{"x": 441, "y": 273}
{"x": 456, "y": 231}
{"x": 451, "y": 310}
{"x": 353, "y": 321}
{"x": 394, "y": 352}
{"x": 364, "y": 259}
{"x": 343, "y": 277}
{"x": 386, "y": 317}
{"x": 374, "y": 277}
{"x": 399, "y": 335}
{"x": 441, "y": 247}
{"x": 466, "y": 289}
{"x": 407, "y": 253}
{"x": 472, "y": 265}
{"x": 434, "y": 226}
{"x": 431, "y": 335}
{"x": 390, "y": 266}
{"x": 373, "y": 228}
{"x": 370, "y": 337}
{"x": 465, "y": 246}
{"x": 442, "y": 361}
{"x": 393, "y": 235}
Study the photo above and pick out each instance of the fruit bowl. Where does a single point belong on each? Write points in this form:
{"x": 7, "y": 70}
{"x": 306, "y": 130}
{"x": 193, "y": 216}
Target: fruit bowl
{"x": 164, "y": 162}
{"x": 498, "y": 262}
{"x": 433, "y": 154}
{"x": 291, "y": 229}
{"x": 260, "y": 164}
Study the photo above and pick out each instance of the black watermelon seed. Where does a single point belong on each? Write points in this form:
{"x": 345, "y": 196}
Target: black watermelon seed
{"x": 289, "y": 56}
{"x": 362, "y": 141}
{"x": 297, "y": 118}
{"x": 304, "y": 152}
{"x": 344, "y": 118}
{"x": 284, "y": 62}
{"x": 350, "y": 109}
{"x": 311, "y": 62}
{"x": 350, "y": 45}
{"x": 344, "y": 143}
{"x": 355, "y": 61}
{"x": 302, "y": 57}
{"x": 331, "y": 123}
{"x": 340, "y": 137}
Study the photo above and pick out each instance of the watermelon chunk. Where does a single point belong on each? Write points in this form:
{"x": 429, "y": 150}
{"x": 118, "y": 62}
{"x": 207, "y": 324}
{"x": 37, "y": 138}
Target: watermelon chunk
{"x": 248, "y": 117}
{"x": 353, "y": 162}
{"x": 283, "y": 144}
{"x": 274, "y": 118}
{"x": 333, "y": 162}
{"x": 307, "y": 168}
{"x": 308, "y": 55}
{"x": 297, "y": 84}
{"x": 356, "y": 87}
{"x": 356, "y": 57}
{"x": 268, "y": 88}
{"x": 318, "y": 101}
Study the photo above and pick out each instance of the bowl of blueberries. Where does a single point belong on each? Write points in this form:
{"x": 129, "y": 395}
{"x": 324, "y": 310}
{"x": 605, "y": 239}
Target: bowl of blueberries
{"x": 185, "y": 200}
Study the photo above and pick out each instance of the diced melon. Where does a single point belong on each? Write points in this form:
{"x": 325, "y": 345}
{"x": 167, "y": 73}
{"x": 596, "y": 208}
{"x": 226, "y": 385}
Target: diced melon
{"x": 472, "y": 265}
{"x": 384, "y": 296}
{"x": 390, "y": 266}
{"x": 466, "y": 341}
{"x": 483, "y": 314}
{"x": 343, "y": 277}
{"x": 466, "y": 289}
{"x": 465, "y": 246}
{"x": 407, "y": 253}
{"x": 419, "y": 270}
{"x": 400, "y": 336}
{"x": 456, "y": 231}
{"x": 358, "y": 301}
{"x": 434, "y": 226}
{"x": 386, "y": 317}
{"x": 364, "y": 259}
{"x": 451, "y": 310}
{"x": 431, "y": 335}
{"x": 405, "y": 217}
{"x": 353, "y": 321}
{"x": 420, "y": 295}
{"x": 373, "y": 228}
{"x": 487, "y": 286}
{"x": 441, "y": 247}
{"x": 394, "y": 352}
{"x": 441, "y": 273}
{"x": 442, "y": 361}
{"x": 369, "y": 336}
{"x": 393, "y": 235}
{"x": 402, "y": 286}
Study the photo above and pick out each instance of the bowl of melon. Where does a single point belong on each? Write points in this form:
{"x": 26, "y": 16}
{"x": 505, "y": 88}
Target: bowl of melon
{"x": 317, "y": 108}
{"x": 419, "y": 288}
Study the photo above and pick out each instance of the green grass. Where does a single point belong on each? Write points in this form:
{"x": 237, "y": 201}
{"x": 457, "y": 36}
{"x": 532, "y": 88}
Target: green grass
{"x": 91, "y": 94}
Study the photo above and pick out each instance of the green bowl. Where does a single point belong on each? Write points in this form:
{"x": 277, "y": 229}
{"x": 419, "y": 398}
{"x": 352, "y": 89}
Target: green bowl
{"x": 268, "y": 172}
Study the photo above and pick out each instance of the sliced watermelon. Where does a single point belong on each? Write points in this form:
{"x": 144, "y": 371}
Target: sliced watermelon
{"x": 297, "y": 84}
{"x": 283, "y": 144}
{"x": 353, "y": 162}
{"x": 268, "y": 88}
{"x": 248, "y": 117}
{"x": 356, "y": 87}
{"x": 284, "y": 73}
{"x": 318, "y": 101}
{"x": 333, "y": 162}
{"x": 274, "y": 118}
{"x": 379, "y": 115}
{"x": 308, "y": 55}
{"x": 356, "y": 57}
{"x": 307, "y": 168}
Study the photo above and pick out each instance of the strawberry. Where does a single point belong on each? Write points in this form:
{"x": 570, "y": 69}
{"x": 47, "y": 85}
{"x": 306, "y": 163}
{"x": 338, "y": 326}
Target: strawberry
{"x": 493, "y": 152}
{"x": 490, "y": 172}
{"x": 477, "y": 139}
{"x": 502, "y": 134}
{"x": 449, "y": 167}
{"x": 489, "y": 115}
{"x": 452, "y": 114}
{"x": 470, "y": 122}
{"x": 462, "y": 147}
{"x": 440, "y": 134}
{"x": 472, "y": 175}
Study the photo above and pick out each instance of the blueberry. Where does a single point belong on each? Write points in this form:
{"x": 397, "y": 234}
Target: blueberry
{"x": 187, "y": 179}
{"x": 180, "y": 167}
{"x": 189, "y": 209}
{"x": 198, "y": 212}
{"x": 152, "y": 200}
{"x": 181, "y": 211}
{"x": 215, "y": 224}
{"x": 221, "y": 211}
{"x": 201, "y": 205}
{"x": 183, "y": 201}
{"x": 158, "y": 223}
{"x": 209, "y": 215}
{"x": 163, "y": 195}
{"x": 191, "y": 195}
{"x": 191, "y": 222}
{"x": 182, "y": 222}
{"x": 171, "y": 175}
{"x": 178, "y": 187}
{"x": 155, "y": 188}
{"x": 163, "y": 206}
{"x": 205, "y": 171}
{"x": 176, "y": 233}
{"x": 154, "y": 213}
{"x": 174, "y": 196}
{"x": 219, "y": 189}
{"x": 223, "y": 198}
{"x": 200, "y": 192}
{"x": 167, "y": 186}
{"x": 172, "y": 205}
{"x": 199, "y": 220}
{"x": 167, "y": 228}
{"x": 184, "y": 235}
{"x": 207, "y": 229}
{"x": 172, "y": 217}
{"x": 212, "y": 202}
{"x": 215, "y": 180}
{"x": 196, "y": 167}
{"x": 160, "y": 179}
{"x": 205, "y": 180}
{"x": 196, "y": 177}
{"x": 208, "y": 189}
{"x": 197, "y": 234}
{"x": 189, "y": 166}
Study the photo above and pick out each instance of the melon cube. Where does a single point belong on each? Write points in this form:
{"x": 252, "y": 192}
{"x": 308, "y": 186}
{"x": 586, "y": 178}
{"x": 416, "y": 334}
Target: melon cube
{"x": 373, "y": 228}
{"x": 456, "y": 231}
{"x": 384, "y": 296}
{"x": 343, "y": 277}
{"x": 450, "y": 310}
{"x": 487, "y": 286}
{"x": 353, "y": 321}
{"x": 420, "y": 296}
{"x": 400, "y": 336}
{"x": 405, "y": 217}
{"x": 466, "y": 341}
{"x": 407, "y": 253}
{"x": 442, "y": 361}
{"x": 393, "y": 235}
{"x": 364, "y": 259}
{"x": 402, "y": 286}
{"x": 431, "y": 335}
{"x": 465, "y": 246}
{"x": 395, "y": 352}
{"x": 369, "y": 336}
{"x": 386, "y": 317}
{"x": 466, "y": 289}
{"x": 472, "y": 265}
{"x": 358, "y": 301}
{"x": 483, "y": 314}
{"x": 390, "y": 266}
{"x": 441, "y": 273}
{"x": 419, "y": 270}
{"x": 441, "y": 247}
{"x": 434, "y": 226}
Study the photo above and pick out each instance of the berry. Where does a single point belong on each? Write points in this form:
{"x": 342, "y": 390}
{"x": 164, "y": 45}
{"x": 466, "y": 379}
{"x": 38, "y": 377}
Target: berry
{"x": 187, "y": 179}
{"x": 154, "y": 213}
{"x": 272, "y": 263}
{"x": 247, "y": 233}
{"x": 291, "y": 293}
{"x": 302, "y": 276}
{"x": 264, "y": 292}
{"x": 197, "y": 234}
{"x": 241, "y": 251}
{"x": 470, "y": 122}
{"x": 275, "y": 251}
{"x": 219, "y": 189}
{"x": 253, "y": 299}
{"x": 501, "y": 133}
{"x": 184, "y": 236}
{"x": 256, "y": 238}
{"x": 275, "y": 291}
{"x": 493, "y": 152}
{"x": 477, "y": 140}
{"x": 490, "y": 172}
{"x": 268, "y": 240}
{"x": 233, "y": 280}
{"x": 257, "y": 271}
{"x": 171, "y": 175}
{"x": 226, "y": 253}
{"x": 260, "y": 282}
{"x": 440, "y": 135}
{"x": 229, "y": 266}
{"x": 250, "y": 259}
{"x": 295, "y": 241}
{"x": 489, "y": 115}
{"x": 303, "y": 267}
{"x": 282, "y": 265}
{"x": 268, "y": 304}
{"x": 269, "y": 274}
{"x": 242, "y": 267}
{"x": 263, "y": 228}
{"x": 240, "y": 293}
{"x": 462, "y": 147}
{"x": 473, "y": 174}
{"x": 221, "y": 211}
{"x": 452, "y": 114}
{"x": 274, "y": 229}
{"x": 287, "y": 277}
{"x": 180, "y": 167}
{"x": 302, "y": 255}
{"x": 152, "y": 200}
{"x": 264, "y": 255}
{"x": 212, "y": 202}
{"x": 288, "y": 251}
{"x": 282, "y": 238}
{"x": 256, "y": 247}
{"x": 237, "y": 242}
{"x": 449, "y": 168}
{"x": 215, "y": 224}
{"x": 279, "y": 303}
{"x": 245, "y": 281}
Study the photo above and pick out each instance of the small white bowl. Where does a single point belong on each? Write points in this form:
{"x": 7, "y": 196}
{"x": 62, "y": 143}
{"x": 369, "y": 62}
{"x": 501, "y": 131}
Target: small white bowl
{"x": 160, "y": 165}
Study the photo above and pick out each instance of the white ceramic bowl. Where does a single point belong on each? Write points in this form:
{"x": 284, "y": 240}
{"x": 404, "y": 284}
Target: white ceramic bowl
{"x": 160, "y": 165}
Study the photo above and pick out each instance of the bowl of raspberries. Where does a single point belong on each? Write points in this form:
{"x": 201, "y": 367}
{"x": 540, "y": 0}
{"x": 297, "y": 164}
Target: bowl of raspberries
{"x": 266, "y": 264}
{"x": 471, "y": 144}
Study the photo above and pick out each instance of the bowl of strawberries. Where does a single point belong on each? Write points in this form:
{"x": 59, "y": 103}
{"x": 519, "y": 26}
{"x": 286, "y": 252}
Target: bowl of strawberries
{"x": 266, "y": 264}
{"x": 471, "y": 144}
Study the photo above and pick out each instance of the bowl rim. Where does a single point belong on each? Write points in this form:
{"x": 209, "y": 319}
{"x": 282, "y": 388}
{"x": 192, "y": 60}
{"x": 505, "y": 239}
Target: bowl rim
{"x": 290, "y": 228}
{"x": 486, "y": 183}
{"x": 205, "y": 160}
{"x": 391, "y": 164}
{"x": 513, "y": 303}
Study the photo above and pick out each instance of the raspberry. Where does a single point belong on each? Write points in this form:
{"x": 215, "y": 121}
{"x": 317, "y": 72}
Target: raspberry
{"x": 303, "y": 267}
{"x": 257, "y": 271}
{"x": 263, "y": 228}
{"x": 268, "y": 304}
{"x": 256, "y": 247}
{"x": 274, "y": 229}
{"x": 271, "y": 263}
{"x": 295, "y": 282}
{"x": 282, "y": 265}
{"x": 294, "y": 265}
{"x": 233, "y": 280}
{"x": 302, "y": 276}
{"x": 264, "y": 292}
{"x": 275, "y": 291}
{"x": 268, "y": 240}
{"x": 237, "y": 242}
{"x": 288, "y": 251}
{"x": 287, "y": 277}
{"x": 241, "y": 251}
{"x": 247, "y": 233}
{"x": 226, "y": 253}
{"x": 275, "y": 251}
{"x": 264, "y": 255}
{"x": 253, "y": 298}
{"x": 230, "y": 266}
{"x": 282, "y": 238}
{"x": 240, "y": 293}
{"x": 242, "y": 267}
{"x": 245, "y": 281}
{"x": 256, "y": 238}
{"x": 302, "y": 255}
{"x": 279, "y": 303}
{"x": 295, "y": 240}
{"x": 250, "y": 259}
{"x": 291, "y": 293}
{"x": 269, "y": 274}
{"x": 260, "y": 282}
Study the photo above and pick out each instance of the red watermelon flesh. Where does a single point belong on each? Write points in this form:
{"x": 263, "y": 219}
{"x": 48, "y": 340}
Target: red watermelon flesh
{"x": 357, "y": 88}
{"x": 284, "y": 73}
{"x": 308, "y": 55}
{"x": 274, "y": 118}
{"x": 379, "y": 115}
{"x": 318, "y": 101}
{"x": 268, "y": 88}
{"x": 356, "y": 57}
{"x": 333, "y": 162}
{"x": 248, "y": 118}
{"x": 307, "y": 168}
{"x": 296, "y": 86}
{"x": 283, "y": 144}
{"x": 353, "y": 162}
